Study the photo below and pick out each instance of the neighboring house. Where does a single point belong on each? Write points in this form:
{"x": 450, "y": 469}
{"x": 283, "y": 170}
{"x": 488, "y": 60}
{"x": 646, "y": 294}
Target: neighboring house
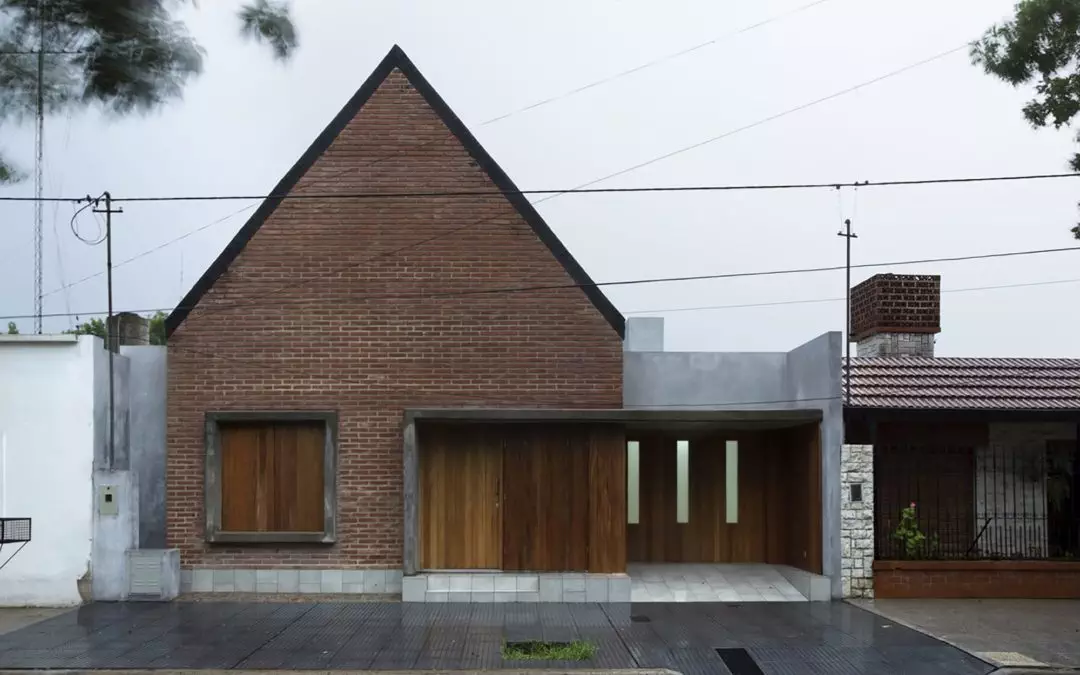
{"x": 358, "y": 398}
{"x": 986, "y": 449}
{"x": 88, "y": 507}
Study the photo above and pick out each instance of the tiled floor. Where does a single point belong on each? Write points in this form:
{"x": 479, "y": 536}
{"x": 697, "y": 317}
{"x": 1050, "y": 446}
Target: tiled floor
{"x": 670, "y": 582}
{"x": 790, "y": 638}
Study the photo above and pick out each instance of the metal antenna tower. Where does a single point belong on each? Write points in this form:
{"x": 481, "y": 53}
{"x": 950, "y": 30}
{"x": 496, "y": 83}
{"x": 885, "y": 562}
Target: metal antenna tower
{"x": 39, "y": 161}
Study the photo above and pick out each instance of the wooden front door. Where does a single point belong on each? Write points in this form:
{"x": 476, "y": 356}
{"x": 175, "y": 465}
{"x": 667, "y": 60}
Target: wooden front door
{"x": 460, "y": 498}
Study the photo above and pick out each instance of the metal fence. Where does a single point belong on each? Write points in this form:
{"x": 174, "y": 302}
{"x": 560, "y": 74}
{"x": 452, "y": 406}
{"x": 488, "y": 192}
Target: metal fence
{"x": 989, "y": 503}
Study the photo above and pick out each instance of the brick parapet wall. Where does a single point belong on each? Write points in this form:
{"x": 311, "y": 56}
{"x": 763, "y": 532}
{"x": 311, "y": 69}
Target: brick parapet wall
{"x": 331, "y": 320}
{"x": 977, "y": 579}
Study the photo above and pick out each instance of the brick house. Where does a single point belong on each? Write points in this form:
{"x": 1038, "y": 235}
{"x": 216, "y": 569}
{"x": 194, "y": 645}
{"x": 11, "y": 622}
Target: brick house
{"x": 985, "y": 448}
{"x": 361, "y": 398}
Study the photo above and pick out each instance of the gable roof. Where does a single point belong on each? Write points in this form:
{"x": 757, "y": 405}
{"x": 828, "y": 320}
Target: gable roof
{"x": 965, "y": 384}
{"x": 396, "y": 58}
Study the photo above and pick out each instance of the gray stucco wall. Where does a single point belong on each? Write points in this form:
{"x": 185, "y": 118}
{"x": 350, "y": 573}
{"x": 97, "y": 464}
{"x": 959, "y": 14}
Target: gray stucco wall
{"x": 807, "y": 377}
{"x": 814, "y": 372}
{"x": 121, "y": 371}
{"x": 704, "y": 380}
{"x": 146, "y": 437}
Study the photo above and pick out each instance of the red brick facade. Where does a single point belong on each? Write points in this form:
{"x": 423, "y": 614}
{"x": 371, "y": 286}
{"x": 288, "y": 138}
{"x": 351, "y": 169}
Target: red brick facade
{"x": 321, "y": 311}
{"x": 976, "y": 579}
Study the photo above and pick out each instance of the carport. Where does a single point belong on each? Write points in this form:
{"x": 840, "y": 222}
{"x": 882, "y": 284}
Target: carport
{"x": 503, "y": 503}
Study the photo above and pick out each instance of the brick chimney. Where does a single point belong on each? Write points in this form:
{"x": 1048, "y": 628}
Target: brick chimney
{"x": 896, "y": 315}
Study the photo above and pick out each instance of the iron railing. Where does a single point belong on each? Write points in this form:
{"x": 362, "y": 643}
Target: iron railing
{"x": 986, "y": 503}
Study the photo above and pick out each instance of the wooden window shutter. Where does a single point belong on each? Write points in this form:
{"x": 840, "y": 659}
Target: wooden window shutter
{"x": 272, "y": 476}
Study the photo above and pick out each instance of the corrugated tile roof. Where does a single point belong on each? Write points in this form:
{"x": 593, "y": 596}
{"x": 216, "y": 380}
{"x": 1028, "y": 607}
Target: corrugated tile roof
{"x": 965, "y": 384}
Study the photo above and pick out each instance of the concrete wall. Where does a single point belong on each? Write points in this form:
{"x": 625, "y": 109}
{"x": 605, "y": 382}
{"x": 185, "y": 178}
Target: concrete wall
{"x": 146, "y": 438}
{"x": 114, "y": 533}
{"x": 120, "y": 403}
{"x": 47, "y": 443}
{"x": 807, "y": 377}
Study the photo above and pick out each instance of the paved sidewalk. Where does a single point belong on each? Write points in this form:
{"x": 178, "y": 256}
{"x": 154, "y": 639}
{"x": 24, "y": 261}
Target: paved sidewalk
{"x": 1008, "y": 632}
{"x": 691, "y": 638}
{"x": 14, "y": 618}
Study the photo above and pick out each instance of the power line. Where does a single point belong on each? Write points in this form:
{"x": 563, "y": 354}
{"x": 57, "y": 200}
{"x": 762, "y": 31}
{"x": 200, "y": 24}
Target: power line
{"x": 672, "y": 310}
{"x": 547, "y": 287}
{"x": 830, "y": 185}
{"x": 654, "y": 62}
{"x": 789, "y": 111}
{"x": 151, "y": 250}
{"x": 628, "y": 282}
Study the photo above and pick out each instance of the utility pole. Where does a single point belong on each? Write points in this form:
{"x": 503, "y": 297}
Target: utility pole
{"x": 848, "y": 235}
{"x": 111, "y": 340}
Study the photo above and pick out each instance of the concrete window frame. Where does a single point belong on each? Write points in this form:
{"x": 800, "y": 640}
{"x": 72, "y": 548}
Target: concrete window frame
{"x": 212, "y": 487}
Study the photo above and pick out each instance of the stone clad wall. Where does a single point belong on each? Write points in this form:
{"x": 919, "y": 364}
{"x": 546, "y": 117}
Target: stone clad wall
{"x": 857, "y": 521}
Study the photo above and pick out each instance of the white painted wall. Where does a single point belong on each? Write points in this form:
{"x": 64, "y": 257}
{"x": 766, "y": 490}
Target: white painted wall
{"x": 46, "y": 464}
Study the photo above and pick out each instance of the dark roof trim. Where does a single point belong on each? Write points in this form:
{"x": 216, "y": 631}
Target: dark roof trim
{"x": 609, "y": 415}
{"x": 396, "y": 58}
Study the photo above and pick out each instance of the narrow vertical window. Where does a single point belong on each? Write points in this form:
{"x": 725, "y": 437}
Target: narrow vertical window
{"x": 633, "y": 481}
{"x": 731, "y": 474}
{"x": 682, "y": 481}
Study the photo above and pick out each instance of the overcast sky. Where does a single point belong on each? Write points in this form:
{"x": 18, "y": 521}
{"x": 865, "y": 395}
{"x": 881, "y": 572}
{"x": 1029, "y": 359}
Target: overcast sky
{"x": 246, "y": 120}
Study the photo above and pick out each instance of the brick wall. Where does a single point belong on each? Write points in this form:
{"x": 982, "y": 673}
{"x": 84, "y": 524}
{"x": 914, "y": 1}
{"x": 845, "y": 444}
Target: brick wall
{"x": 361, "y": 343}
{"x": 976, "y": 579}
{"x": 896, "y": 303}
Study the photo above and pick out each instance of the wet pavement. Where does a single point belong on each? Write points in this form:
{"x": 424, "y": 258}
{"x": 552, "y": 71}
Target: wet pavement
{"x": 1009, "y": 632}
{"x": 692, "y": 638}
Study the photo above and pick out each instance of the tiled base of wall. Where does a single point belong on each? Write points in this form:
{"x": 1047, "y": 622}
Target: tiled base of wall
{"x": 515, "y": 587}
{"x": 290, "y": 581}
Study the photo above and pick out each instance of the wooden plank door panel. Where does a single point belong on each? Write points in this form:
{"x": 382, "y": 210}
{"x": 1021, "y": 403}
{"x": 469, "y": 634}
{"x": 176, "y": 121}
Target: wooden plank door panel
{"x": 607, "y": 499}
{"x": 460, "y": 486}
{"x": 546, "y": 498}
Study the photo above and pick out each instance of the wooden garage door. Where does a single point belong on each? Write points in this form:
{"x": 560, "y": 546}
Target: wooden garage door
{"x": 541, "y": 497}
{"x": 460, "y": 485}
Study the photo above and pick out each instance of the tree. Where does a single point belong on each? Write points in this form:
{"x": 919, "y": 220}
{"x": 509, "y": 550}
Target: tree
{"x": 1040, "y": 45}
{"x": 97, "y": 327}
{"x": 12, "y": 329}
{"x": 91, "y": 327}
{"x": 124, "y": 55}
{"x": 157, "y": 328}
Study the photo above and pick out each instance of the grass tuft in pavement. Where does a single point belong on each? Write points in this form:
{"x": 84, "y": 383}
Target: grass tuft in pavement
{"x": 578, "y": 650}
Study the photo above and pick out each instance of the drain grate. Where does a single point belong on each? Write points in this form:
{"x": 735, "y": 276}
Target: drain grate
{"x": 739, "y": 661}
{"x": 638, "y": 618}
